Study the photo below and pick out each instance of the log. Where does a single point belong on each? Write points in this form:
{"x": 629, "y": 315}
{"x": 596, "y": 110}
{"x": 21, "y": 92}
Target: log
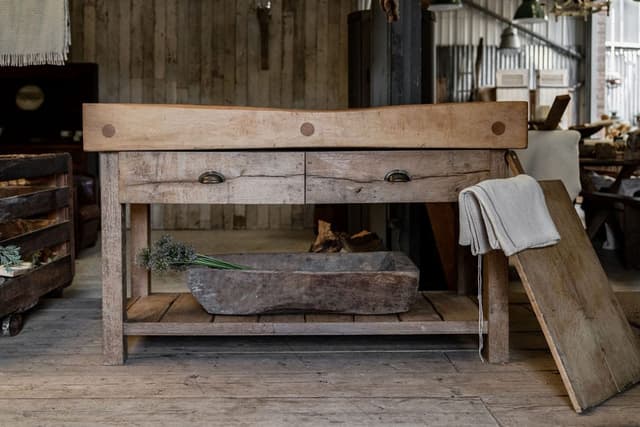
{"x": 355, "y": 283}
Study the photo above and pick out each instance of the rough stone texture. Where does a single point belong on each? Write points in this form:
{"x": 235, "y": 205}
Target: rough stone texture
{"x": 358, "y": 283}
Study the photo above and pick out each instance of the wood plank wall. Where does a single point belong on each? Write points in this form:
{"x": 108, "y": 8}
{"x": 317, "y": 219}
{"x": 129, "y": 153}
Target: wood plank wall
{"x": 208, "y": 52}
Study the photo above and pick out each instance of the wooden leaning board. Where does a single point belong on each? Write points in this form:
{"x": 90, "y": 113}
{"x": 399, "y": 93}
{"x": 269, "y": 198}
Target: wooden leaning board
{"x": 593, "y": 345}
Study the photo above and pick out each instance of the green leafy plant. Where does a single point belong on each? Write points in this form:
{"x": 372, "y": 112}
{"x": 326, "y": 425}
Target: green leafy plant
{"x": 10, "y": 256}
{"x": 167, "y": 254}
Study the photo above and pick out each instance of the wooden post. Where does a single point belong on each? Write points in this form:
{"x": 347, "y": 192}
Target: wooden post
{"x": 140, "y": 238}
{"x": 495, "y": 280}
{"x": 114, "y": 346}
{"x": 496, "y": 306}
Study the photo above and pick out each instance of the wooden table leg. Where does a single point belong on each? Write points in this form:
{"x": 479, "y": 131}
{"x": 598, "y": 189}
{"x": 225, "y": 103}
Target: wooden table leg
{"x": 496, "y": 306}
{"x": 467, "y": 271}
{"x": 140, "y": 238}
{"x": 114, "y": 345}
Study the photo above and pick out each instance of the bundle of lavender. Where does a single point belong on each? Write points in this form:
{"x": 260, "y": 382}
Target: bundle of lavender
{"x": 167, "y": 254}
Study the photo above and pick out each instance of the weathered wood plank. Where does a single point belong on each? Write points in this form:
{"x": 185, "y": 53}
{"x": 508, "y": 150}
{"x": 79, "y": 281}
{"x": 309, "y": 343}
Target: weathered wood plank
{"x": 124, "y": 50}
{"x": 150, "y": 308}
{"x": 167, "y": 127}
{"x": 14, "y": 167}
{"x": 452, "y": 307}
{"x": 375, "y": 318}
{"x": 592, "y": 343}
{"x": 359, "y": 177}
{"x": 235, "y": 319}
{"x": 185, "y": 309}
{"x": 136, "y": 42}
{"x": 31, "y": 201}
{"x": 381, "y": 411}
{"x": 630, "y": 303}
{"x": 328, "y": 318}
{"x": 140, "y": 239}
{"x": 113, "y": 263}
{"x": 421, "y": 310}
{"x": 147, "y": 33}
{"x": 173, "y": 177}
{"x": 41, "y": 238}
{"x": 171, "y": 54}
{"x": 378, "y": 326}
{"x": 240, "y": 95}
{"x": 22, "y": 292}
{"x": 281, "y": 318}
{"x": 496, "y": 305}
{"x": 229, "y": 51}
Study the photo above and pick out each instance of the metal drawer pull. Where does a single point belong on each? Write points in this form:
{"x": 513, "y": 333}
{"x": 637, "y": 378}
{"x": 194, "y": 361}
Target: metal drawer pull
{"x": 397, "y": 175}
{"x": 211, "y": 177}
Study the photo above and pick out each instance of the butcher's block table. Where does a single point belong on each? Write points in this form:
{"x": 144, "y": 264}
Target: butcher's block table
{"x": 219, "y": 155}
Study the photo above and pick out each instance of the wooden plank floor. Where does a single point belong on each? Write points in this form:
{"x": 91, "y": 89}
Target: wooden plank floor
{"x": 52, "y": 374}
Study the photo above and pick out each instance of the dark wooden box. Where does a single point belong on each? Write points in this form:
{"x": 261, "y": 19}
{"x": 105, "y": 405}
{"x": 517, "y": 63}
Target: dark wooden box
{"x": 356, "y": 283}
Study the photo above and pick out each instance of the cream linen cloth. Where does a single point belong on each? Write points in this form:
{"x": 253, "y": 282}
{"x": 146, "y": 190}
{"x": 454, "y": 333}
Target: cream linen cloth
{"x": 509, "y": 214}
{"x": 34, "y": 32}
{"x": 553, "y": 155}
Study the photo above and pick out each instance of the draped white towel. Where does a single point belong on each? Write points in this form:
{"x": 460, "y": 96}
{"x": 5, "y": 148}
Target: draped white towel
{"x": 34, "y": 32}
{"x": 509, "y": 214}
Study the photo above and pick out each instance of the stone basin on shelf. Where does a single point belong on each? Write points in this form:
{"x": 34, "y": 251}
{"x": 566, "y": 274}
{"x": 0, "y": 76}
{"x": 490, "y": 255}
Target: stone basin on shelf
{"x": 355, "y": 283}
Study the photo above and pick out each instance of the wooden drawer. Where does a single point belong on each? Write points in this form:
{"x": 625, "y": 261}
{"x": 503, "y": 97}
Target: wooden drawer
{"x": 359, "y": 177}
{"x": 177, "y": 177}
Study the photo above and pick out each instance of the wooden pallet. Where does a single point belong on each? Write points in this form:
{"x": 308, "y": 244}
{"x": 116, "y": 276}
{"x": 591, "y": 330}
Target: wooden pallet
{"x": 180, "y": 314}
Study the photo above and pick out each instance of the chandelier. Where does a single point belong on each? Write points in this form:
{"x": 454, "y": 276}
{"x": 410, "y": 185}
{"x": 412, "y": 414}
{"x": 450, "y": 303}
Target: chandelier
{"x": 582, "y": 8}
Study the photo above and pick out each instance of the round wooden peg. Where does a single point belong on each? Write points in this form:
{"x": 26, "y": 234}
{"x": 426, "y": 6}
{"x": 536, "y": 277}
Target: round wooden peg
{"x": 307, "y": 129}
{"x": 108, "y": 130}
{"x": 498, "y": 128}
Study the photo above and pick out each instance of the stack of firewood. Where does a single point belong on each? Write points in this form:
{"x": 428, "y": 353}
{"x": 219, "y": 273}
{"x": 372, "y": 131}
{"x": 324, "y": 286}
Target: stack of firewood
{"x": 336, "y": 241}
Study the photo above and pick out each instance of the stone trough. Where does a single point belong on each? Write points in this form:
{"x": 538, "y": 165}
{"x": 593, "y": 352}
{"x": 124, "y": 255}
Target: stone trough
{"x": 355, "y": 283}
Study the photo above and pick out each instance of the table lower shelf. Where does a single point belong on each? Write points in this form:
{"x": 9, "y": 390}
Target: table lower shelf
{"x": 180, "y": 314}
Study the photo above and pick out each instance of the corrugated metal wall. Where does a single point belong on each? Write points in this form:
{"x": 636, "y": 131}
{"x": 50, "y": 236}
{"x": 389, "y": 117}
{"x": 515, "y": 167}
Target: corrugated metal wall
{"x": 625, "y": 19}
{"x": 466, "y": 26}
{"x": 625, "y": 99}
{"x": 458, "y": 61}
{"x": 623, "y": 58}
{"x": 458, "y": 34}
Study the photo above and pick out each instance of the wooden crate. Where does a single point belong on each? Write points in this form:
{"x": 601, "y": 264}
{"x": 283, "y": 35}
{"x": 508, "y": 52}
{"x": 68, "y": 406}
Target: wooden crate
{"x": 36, "y": 211}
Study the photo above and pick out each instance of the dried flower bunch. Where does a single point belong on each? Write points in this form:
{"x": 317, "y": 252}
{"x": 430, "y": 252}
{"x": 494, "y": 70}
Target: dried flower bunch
{"x": 166, "y": 254}
{"x": 10, "y": 256}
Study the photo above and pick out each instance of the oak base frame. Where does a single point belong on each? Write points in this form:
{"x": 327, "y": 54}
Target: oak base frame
{"x": 116, "y": 326}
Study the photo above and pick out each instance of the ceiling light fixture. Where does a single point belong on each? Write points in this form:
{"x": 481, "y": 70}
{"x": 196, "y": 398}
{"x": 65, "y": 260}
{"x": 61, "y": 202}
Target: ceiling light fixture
{"x": 509, "y": 42}
{"x": 530, "y": 12}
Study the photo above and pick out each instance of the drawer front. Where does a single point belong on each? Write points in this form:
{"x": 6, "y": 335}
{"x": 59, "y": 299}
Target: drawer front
{"x": 393, "y": 176}
{"x": 211, "y": 177}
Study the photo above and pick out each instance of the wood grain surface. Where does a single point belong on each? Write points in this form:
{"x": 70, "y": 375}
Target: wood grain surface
{"x": 593, "y": 345}
{"x": 190, "y": 127}
{"x": 173, "y": 177}
{"x": 207, "y": 52}
{"x": 359, "y": 177}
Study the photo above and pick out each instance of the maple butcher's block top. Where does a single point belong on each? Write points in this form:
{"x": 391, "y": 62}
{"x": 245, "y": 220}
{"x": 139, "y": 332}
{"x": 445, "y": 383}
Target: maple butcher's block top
{"x": 141, "y": 127}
